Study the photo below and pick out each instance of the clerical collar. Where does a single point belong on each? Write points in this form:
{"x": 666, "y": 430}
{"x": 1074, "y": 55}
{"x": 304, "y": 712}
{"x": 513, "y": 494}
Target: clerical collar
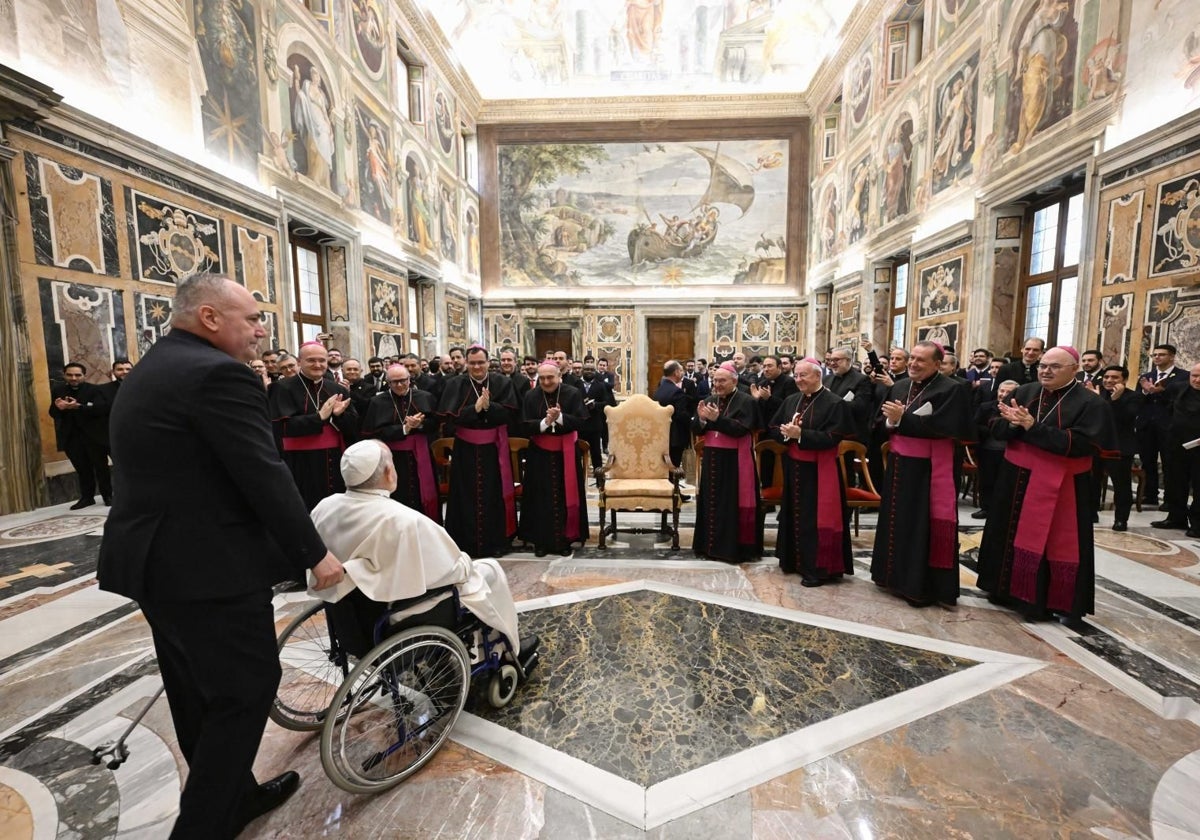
{"x": 373, "y": 491}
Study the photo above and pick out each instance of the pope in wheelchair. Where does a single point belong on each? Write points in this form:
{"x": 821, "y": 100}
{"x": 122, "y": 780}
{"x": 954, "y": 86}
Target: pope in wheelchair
{"x": 418, "y": 618}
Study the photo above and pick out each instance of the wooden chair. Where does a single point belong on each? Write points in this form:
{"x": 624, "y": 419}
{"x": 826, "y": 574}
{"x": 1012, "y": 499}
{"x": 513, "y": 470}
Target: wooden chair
{"x": 864, "y": 496}
{"x": 516, "y": 451}
{"x": 443, "y": 453}
{"x": 771, "y": 492}
{"x": 639, "y": 475}
{"x": 970, "y": 474}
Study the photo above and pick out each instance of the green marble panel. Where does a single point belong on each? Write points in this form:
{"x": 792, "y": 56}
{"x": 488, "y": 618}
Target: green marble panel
{"x": 648, "y": 685}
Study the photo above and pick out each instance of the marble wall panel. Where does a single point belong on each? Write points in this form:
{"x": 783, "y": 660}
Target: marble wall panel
{"x": 1006, "y": 274}
{"x": 847, "y": 316}
{"x": 456, "y": 319}
{"x": 152, "y": 315}
{"x": 386, "y": 344}
{"x": 1176, "y": 245}
{"x": 504, "y": 329}
{"x": 1115, "y": 320}
{"x": 171, "y": 242}
{"x": 339, "y": 291}
{"x": 724, "y": 326}
{"x": 340, "y": 339}
{"x": 429, "y": 319}
{"x": 882, "y": 322}
{"x": 387, "y": 300}
{"x": 1123, "y": 241}
{"x": 82, "y": 323}
{"x": 821, "y": 312}
{"x": 254, "y": 262}
{"x": 1173, "y": 317}
{"x": 756, "y": 327}
{"x": 940, "y": 288}
{"x": 945, "y": 334}
{"x": 270, "y": 322}
{"x": 71, "y": 216}
{"x": 787, "y": 330}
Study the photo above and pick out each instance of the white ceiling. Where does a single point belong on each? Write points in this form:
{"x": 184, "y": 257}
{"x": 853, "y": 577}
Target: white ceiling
{"x": 534, "y": 49}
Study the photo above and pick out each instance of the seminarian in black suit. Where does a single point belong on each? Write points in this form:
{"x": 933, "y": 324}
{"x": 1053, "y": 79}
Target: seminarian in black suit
{"x": 670, "y": 392}
{"x": 206, "y": 518}
{"x": 80, "y": 431}
{"x": 596, "y": 395}
{"x": 1160, "y": 387}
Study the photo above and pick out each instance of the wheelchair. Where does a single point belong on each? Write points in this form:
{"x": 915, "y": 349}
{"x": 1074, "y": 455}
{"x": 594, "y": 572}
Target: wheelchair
{"x": 385, "y": 683}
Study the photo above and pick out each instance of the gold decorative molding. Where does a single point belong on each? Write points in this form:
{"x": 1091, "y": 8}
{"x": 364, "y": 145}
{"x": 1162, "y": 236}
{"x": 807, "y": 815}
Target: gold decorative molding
{"x": 624, "y": 108}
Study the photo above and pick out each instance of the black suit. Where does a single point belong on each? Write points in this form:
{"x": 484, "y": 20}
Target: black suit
{"x": 669, "y": 393}
{"x": 82, "y": 434}
{"x": 1153, "y": 422}
{"x": 596, "y": 395}
{"x": 206, "y": 518}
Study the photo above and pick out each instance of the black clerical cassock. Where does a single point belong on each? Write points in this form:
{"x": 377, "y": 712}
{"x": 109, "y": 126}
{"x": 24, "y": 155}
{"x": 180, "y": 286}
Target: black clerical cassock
{"x": 416, "y": 479}
{"x": 312, "y": 446}
{"x": 553, "y": 495}
{"x": 727, "y": 505}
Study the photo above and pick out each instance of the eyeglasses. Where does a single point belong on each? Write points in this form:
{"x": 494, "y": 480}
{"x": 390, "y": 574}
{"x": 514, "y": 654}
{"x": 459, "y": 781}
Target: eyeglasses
{"x": 1053, "y": 368}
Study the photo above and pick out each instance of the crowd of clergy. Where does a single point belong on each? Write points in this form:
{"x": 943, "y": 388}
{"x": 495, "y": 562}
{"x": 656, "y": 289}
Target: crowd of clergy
{"x": 1044, "y": 433}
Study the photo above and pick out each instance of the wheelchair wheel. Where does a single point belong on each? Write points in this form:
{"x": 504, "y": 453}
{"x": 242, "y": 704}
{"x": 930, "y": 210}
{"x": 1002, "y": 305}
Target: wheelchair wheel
{"x": 399, "y": 704}
{"x": 313, "y": 668}
{"x": 502, "y": 686}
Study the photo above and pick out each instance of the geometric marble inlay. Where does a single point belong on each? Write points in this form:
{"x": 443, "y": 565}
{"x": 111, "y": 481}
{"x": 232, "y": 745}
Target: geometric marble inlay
{"x": 53, "y": 528}
{"x": 653, "y": 700}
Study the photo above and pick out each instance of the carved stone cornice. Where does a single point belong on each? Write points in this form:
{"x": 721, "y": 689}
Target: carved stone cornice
{"x": 23, "y": 97}
{"x": 438, "y": 48}
{"x": 618, "y": 108}
{"x": 829, "y": 74}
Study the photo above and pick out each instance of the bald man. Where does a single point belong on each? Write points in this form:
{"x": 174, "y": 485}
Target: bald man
{"x": 813, "y": 539}
{"x": 1037, "y": 553}
{"x": 406, "y": 420}
{"x": 553, "y": 499}
{"x": 318, "y": 421}
{"x": 205, "y": 520}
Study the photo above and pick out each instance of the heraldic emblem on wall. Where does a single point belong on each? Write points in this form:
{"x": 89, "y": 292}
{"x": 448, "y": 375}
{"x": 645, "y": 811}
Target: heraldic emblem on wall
{"x": 1177, "y": 231}
{"x": 175, "y": 243}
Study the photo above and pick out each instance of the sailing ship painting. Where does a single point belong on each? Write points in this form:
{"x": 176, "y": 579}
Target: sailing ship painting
{"x": 644, "y": 214}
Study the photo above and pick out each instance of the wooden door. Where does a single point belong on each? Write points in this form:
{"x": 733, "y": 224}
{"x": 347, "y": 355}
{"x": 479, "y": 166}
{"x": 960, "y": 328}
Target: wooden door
{"x": 667, "y": 338}
{"x": 547, "y": 341}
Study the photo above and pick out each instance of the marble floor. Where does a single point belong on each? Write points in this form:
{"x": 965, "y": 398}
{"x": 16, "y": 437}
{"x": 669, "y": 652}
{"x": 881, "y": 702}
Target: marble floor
{"x": 675, "y": 698}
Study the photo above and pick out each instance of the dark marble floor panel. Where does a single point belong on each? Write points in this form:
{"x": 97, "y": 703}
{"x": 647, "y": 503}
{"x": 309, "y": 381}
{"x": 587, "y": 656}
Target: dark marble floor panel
{"x": 58, "y": 641}
{"x": 648, "y": 685}
{"x": 1151, "y": 673}
{"x": 24, "y": 568}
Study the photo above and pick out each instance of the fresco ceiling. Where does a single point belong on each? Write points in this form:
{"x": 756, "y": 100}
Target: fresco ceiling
{"x": 528, "y": 49}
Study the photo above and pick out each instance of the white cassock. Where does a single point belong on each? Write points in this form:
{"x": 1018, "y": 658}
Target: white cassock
{"x": 395, "y": 553}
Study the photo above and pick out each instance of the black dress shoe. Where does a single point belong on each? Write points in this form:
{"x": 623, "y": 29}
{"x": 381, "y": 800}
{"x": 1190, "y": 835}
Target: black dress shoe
{"x": 108, "y": 501}
{"x": 82, "y": 503}
{"x": 979, "y": 514}
{"x": 1194, "y": 533}
{"x": 539, "y": 552}
{"x": 267, "y": 797}
{"x": 1120, "y": 526}
{"x": 1168, "y": 523}
{"x": 811, "y": 581}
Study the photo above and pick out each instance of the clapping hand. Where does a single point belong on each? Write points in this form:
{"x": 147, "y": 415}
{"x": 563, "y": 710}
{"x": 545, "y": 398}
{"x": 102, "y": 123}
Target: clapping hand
{"x": 707, "y": 411}
{"x": 552, "y": 415}
{"x": 413, "y": 421}
{"x": 485, "y": 400}
{"x": 1016, "y": 414}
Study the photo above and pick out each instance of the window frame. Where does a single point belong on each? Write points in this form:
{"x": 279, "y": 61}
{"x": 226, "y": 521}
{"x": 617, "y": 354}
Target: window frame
{"x": 1057, "y": 273}
{"x": 301, "y": 319}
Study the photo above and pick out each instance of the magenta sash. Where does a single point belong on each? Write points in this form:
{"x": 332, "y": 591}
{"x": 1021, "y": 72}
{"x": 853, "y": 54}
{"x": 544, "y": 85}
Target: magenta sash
{"x": 418, "y": 445}
{"x": 829, "y": 504}
{"x": 566, "y": 445}
{"x": 943, "y": 506}
{"x": 747, "y": 503}
{"x": 499, "y": 438}
{"x": 1046, "y": 524}
{"x": 327, "y": 438}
